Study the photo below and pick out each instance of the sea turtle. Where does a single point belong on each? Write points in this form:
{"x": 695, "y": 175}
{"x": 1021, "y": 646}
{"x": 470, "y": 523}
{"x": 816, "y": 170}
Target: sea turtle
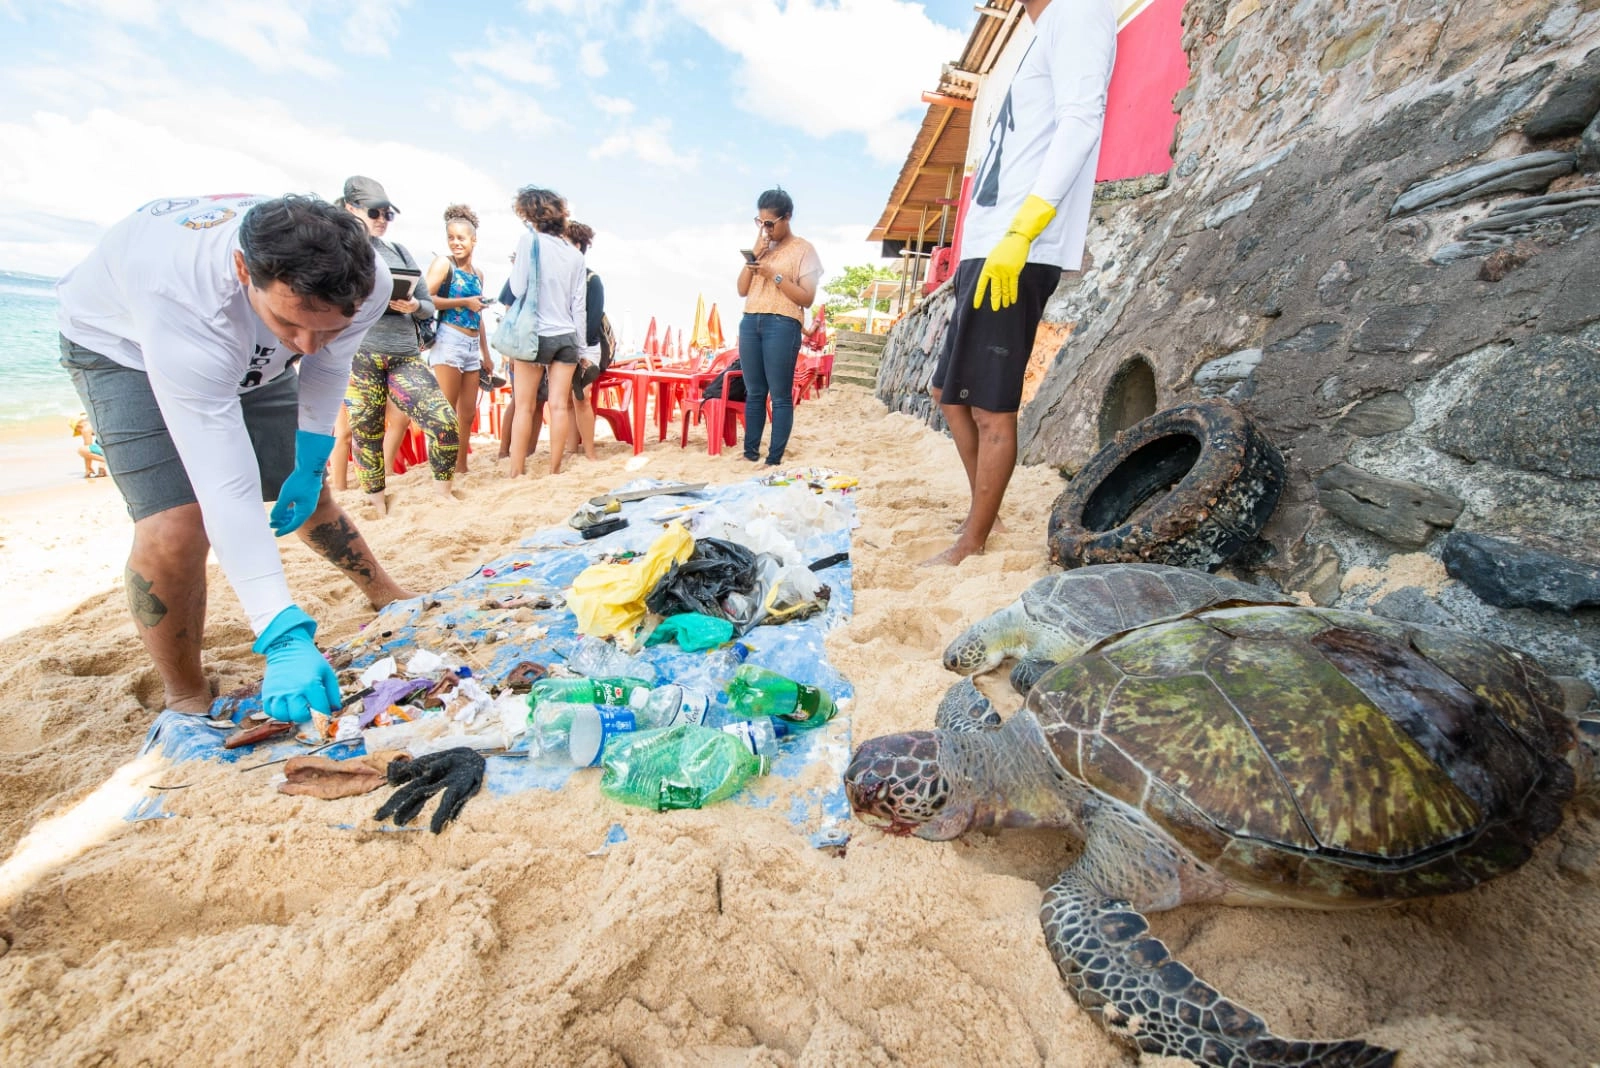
{"x": 1248, "y": 755}
{"x": 1061, "y": 615}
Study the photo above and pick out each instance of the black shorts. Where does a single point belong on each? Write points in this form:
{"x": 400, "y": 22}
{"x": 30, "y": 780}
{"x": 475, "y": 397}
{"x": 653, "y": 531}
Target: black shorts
{"x": 986, "y": 352}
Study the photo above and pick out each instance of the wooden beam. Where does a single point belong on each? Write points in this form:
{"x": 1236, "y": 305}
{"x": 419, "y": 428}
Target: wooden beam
{"x": 943, "y": 100}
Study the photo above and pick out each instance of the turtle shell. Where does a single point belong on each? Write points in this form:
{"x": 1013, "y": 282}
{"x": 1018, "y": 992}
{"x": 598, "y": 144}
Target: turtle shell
{"x": 1088, "y": 604}
{"x": 1316, "y": 753}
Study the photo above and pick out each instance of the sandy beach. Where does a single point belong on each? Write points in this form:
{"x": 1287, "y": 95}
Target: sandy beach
{"x": 251, "y": 928}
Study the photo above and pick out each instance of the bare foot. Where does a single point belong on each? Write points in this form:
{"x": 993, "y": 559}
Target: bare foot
{"x": 393, "y": 593}
{"x": 379, "y": 502}
{"x": 443, "y": 490}
{"x": 998, "y": 528}
{"x": 952, "y": 556}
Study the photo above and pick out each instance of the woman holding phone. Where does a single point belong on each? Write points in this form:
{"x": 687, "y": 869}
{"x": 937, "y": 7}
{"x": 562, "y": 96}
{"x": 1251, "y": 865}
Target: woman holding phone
{"x": 778, "y": 282}
{"x": 389, "y": 364}
{"x": 461, "y": 347}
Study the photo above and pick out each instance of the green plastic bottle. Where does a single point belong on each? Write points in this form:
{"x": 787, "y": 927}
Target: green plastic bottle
{"x": 684, "y": 766}
{"x": 606, "y": 691}
{"x": 756, "y": 692}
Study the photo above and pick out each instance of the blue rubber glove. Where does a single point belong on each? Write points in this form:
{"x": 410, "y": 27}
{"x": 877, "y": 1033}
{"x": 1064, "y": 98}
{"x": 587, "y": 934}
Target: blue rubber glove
{"x": 298, "y": 678}
{"x": 298, "y": 497}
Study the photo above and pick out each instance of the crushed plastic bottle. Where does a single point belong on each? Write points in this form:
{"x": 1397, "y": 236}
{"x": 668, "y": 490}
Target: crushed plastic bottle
{"x": 598, "y": 659}
{"x": 756, "y": 692}
{"x": 686, "y": 766}
{"x": 760, "y": 736}
{"x": 723, "y": 663}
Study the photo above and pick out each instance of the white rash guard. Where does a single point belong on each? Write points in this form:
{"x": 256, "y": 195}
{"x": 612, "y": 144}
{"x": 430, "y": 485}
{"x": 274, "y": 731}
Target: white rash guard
{"x": 563, "y": 288}
{"x": 159, "y": 294}
{"x": 1046, "y": 140}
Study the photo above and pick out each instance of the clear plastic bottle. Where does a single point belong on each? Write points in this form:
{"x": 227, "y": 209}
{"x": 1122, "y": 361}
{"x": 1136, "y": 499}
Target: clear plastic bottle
{"x": 574, "y": 735}
{"x": 668, "y": 705}
{"x": 756, "y": 692}
{"x": 686, "y": 766}
{"x": 723, "y": 663}
{"x": 760, "y": 736}
{"x": 598, "y": 658}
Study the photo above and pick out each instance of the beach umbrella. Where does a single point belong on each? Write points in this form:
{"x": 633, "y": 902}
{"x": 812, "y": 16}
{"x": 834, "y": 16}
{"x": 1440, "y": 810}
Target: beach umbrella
{"x": 666, "y": 344}
{"x": 701, "y": 337}
{"x": 652, "y": 347}
{"x": 714, "y": 328}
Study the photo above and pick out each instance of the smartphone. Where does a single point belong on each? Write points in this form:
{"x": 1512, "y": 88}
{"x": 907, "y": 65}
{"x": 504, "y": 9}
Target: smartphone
{"x": 749, "y": 255}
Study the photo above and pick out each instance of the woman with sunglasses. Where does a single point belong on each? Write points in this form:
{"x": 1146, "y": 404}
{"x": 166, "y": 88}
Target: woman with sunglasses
{"x": 389, "y": 364}
{"x": 778, "y": 285}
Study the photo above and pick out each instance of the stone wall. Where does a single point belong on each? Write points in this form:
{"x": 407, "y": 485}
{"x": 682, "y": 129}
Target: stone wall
{"x": 1380, "y": 241}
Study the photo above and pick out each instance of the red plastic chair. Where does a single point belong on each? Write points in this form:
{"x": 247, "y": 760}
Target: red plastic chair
{"x": 413, "y": 451}
{"x": 609, "y": 399}
{"x": 723, "y": 418}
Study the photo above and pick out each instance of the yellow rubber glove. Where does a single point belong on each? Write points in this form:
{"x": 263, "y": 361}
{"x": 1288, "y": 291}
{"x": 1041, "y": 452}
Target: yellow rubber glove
{"x": 1010, "y": 254}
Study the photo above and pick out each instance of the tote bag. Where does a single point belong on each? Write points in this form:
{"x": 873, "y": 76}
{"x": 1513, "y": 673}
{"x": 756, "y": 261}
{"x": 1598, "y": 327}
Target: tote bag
{"x": 517, "y": 336}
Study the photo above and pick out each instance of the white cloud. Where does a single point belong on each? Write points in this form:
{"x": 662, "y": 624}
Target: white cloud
{"x": 612, "y": 105}
{"x": 560, "y": 7}
{"x": 848, "y": 81}
{"x": 491, "y": 105}
{"x": 510, "y": 55}
{"x": 650, "y": 143}
{"x": 371, "y": 25}
{"x": 274, "y": 37}
{"x": 592, "y": 59}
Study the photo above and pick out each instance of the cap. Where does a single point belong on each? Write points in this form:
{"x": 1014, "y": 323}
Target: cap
{"x": 366, "y": 193}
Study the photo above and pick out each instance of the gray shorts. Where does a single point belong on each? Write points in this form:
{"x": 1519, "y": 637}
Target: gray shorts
{"x": 558, "y": 348}
{"x": 140, "y": 455}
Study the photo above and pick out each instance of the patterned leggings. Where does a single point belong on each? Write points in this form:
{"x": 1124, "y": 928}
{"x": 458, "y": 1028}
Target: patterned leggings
{"x": 374, "y": 378}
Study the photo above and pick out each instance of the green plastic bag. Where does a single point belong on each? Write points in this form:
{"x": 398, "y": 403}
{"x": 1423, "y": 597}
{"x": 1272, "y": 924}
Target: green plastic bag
{"x": 692, "y": 631}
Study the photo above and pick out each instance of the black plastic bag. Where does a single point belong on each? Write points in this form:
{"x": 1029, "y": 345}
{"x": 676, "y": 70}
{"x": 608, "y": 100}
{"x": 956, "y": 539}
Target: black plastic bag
{"x": 713, "y": 571}
{"x": 736, "y": 391}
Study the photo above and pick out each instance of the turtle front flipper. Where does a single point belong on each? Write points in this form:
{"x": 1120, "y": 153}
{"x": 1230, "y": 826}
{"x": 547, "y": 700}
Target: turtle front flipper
{"x": 1125, "y": 976}
{"x": 965, "y": 709}
{"x": 1027, "y": 672}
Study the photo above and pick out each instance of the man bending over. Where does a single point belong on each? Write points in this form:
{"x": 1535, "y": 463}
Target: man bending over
{"x": 181, "y": 332}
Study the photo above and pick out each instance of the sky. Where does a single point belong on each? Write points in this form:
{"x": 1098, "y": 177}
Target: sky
{"x": 660, "y": 121}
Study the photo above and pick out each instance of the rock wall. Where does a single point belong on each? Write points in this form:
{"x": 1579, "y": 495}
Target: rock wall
{"x": 1379, "y": 240}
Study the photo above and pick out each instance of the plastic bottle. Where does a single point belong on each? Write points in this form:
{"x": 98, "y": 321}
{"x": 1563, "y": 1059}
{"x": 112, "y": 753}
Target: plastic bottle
{"x": 575, "y": 735}
{"x": 668, "y": 705}
{"x": 686, "y": 766}
{"x": 760, "y": 736}
{"x": 598, "y": 658}
{"x": 756, "y": 692}
{"x": 723, "y": 663}
{"x": 601, "y": 690}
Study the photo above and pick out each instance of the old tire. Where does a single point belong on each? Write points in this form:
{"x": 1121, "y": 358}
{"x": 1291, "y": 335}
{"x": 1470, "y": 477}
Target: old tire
{"x": 1190, "y": 486}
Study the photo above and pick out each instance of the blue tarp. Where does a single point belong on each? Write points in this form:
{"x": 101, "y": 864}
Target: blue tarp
{"x": 455, "y": 623}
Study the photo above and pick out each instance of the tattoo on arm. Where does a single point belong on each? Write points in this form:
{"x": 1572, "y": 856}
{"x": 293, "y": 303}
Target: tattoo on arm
{"x": 147, "y": 607}
{"x": 341, "y": 544}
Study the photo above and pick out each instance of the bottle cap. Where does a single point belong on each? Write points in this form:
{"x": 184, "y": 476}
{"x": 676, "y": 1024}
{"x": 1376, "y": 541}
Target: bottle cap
{"x": 463, "y": 672}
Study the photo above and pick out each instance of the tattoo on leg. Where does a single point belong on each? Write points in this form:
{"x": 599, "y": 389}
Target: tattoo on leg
{"x": 147, "y": 607}
{"x": 336, "y": 541}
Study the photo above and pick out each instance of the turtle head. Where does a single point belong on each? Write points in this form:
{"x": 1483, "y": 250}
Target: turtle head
{"x": 897, "y": 783}
{"x": 988, "y": 641}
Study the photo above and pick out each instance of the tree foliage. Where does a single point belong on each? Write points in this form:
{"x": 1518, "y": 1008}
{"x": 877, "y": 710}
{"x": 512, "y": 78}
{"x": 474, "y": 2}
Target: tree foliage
{"x": 848, "y": 288}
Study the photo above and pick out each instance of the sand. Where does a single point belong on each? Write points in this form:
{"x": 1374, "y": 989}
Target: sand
{"x": 251, "y": 929}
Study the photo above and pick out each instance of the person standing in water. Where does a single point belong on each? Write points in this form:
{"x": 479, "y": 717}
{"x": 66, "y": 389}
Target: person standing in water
{"x": 461, "y": 348}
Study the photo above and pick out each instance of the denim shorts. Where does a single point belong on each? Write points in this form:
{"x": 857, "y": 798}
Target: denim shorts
{"x": 140, "y": 454}
{"x": 455, "y": 349}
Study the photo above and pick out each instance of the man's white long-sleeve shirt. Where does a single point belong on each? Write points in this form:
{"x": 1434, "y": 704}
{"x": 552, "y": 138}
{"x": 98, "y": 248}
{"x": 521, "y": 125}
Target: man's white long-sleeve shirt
{"x": 1045, "y": 142}
{"x": 160, "y": 294}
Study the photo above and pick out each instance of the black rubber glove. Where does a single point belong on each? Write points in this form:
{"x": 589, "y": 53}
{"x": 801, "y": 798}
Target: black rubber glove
{"x": 456, "y": 772}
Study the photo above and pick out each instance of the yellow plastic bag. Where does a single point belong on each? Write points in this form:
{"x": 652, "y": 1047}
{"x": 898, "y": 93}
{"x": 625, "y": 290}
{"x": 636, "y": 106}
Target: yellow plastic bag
{"x": 609, "y": 598}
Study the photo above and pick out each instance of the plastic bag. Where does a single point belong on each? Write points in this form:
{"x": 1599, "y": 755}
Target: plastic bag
{"x": 610, "y": 598}
{"x": 716, "y": 570}
{"x": 693, "y": 631}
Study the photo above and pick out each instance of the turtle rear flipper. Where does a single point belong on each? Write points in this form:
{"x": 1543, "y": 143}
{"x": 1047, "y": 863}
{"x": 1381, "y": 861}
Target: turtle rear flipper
{"x": 1125, "y": 976}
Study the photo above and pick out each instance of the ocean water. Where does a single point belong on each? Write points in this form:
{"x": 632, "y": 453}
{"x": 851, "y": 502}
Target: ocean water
{"x": 36, "y": 386}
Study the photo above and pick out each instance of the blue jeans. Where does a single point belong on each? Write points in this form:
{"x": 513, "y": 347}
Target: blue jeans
{"x": 768, "y": 347}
